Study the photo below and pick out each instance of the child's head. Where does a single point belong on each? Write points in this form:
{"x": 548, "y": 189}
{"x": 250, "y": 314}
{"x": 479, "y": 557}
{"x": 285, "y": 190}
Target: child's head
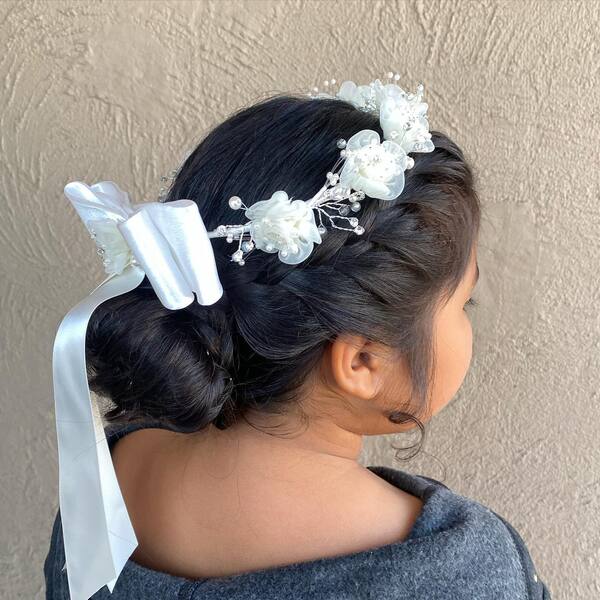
{"x": 310, "y": 335}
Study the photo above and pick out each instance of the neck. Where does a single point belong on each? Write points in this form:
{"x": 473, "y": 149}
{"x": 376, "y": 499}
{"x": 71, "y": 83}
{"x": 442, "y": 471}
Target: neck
{"x": 277, "y": 442}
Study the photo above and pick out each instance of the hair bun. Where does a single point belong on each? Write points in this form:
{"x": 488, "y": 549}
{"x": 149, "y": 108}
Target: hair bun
{"x": 152, "y": 362}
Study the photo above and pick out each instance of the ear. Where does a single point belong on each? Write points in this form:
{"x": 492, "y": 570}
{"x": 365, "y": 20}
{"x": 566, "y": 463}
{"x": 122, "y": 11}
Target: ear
{"x": 355, "y": 367}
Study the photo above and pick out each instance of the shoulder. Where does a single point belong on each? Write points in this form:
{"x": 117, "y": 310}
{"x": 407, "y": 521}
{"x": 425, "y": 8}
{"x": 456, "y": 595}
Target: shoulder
{"x": 471, "y": 532}
{"x": 495, "y": 533}
{"x": 535, "y": 586}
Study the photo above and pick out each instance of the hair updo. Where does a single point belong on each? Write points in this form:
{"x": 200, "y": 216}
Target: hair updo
{"x": 255, "y": 347}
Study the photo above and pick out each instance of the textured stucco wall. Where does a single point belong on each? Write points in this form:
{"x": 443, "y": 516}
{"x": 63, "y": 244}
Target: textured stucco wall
{"x": 122, "y": 90}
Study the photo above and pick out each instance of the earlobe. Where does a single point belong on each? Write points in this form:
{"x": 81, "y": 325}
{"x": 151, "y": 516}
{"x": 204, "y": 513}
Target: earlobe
{"x": 355, "y": 370}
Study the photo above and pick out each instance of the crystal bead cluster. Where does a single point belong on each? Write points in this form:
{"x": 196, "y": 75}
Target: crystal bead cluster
{"x": 101, "y": 250}
{"x": 162, "y": 193}
{"x": 111, "y": 245}
{"x": 369, "y": 101}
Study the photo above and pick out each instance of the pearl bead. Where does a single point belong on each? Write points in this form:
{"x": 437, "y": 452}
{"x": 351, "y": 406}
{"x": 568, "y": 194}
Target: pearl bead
{"x": 353, "y": 221}
{"x": 237, "y": 255}
{"x": 322, "y": 229}
{"x": 341, "y": 143}
{"x": 235, "y": 202}
{"x": 359, "y": 230}
{"x": 355, "y": 206}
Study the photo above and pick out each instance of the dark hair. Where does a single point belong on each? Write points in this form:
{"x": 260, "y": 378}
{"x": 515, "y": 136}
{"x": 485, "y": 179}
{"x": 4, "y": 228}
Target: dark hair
{"x": 260, "y": 342}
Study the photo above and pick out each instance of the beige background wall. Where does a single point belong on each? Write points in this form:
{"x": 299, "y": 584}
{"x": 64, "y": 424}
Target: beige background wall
{"x": 123, "y": 90}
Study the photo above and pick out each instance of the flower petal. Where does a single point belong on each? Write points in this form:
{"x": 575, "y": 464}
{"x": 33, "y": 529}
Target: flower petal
{"x": 363, "y": 138}
{"x": 346, "y": 91}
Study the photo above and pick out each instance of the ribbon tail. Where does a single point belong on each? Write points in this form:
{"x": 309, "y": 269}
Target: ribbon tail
{"x": 97, "y": 532}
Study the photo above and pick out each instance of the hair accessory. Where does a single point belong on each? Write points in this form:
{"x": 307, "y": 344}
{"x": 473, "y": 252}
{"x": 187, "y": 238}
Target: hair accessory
{"x": 168, "y": 243}
{"x": 368, "y": 167}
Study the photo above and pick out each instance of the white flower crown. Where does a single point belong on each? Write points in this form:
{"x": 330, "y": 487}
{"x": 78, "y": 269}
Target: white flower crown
{"x": 366, "y": 167}
{"x": 369, "y": 167}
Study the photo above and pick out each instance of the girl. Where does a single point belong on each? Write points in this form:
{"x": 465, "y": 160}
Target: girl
{"x": 236, "y": 428}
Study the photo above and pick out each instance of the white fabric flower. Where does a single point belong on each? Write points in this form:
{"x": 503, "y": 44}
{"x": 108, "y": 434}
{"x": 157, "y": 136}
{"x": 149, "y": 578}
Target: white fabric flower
{"x": 368, "y": 97}
{"x": 406, "y": 117}
{"x": 401, "y": 115}
{"x": 375, "y": 168}
{"x": 284, "y": 226}
{"x": 359, "y": 96}
{"x": 111, "y": 244}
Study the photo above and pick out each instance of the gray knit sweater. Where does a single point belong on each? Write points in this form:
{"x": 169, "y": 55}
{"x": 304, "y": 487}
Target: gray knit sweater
{"x": 457, "y": 550}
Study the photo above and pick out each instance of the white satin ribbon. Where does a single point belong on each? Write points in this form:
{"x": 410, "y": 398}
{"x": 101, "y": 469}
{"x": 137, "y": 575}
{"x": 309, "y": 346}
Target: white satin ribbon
{"x": 170, "y": 245}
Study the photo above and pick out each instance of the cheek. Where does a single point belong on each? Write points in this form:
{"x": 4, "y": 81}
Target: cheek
{"x": 468, "y": 344}
{"x": 454, "y": 346}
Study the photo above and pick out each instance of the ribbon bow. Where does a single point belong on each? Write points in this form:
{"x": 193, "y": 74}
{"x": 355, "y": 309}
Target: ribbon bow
{"x": 168, "y": 243}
